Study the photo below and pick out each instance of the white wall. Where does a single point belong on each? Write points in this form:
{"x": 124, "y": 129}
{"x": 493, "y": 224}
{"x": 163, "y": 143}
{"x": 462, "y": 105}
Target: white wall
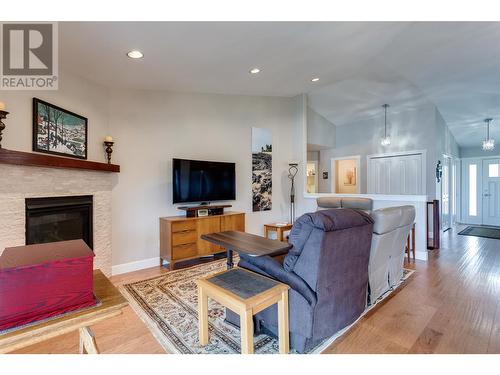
{"x": 478, "y": 152}
{"x": 151, "y": 128}
{"x": 420, "y": 128}
{"x": 76, "y": 95}
{"x": 409, "y": 130}
{"x": 446, "y": 141}
{"x": 320, "y": 131}
{"x": 321, "y": 135}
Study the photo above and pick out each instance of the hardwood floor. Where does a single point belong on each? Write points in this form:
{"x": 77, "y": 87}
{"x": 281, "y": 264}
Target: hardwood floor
{"x": 450, "y": 305}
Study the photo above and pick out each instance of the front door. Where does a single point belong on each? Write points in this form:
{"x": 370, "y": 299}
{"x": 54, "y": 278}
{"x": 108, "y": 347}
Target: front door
{"x": 491, "y": 192}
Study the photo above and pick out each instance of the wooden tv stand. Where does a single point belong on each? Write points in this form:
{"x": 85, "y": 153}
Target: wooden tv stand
{"x": 210, "y": 210}
{"x": 180, "y": 237}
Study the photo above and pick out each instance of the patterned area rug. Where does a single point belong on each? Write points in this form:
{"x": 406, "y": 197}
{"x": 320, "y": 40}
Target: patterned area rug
{"x": 168, "y": 305}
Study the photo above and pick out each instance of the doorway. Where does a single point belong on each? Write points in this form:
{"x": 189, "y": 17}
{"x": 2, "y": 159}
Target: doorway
{"x": 312, "y": 177}
{"x": 345, "y": 175}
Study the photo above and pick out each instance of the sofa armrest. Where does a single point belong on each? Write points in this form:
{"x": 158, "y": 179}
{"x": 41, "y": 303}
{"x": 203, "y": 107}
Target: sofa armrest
{"x": 269, "y": 267}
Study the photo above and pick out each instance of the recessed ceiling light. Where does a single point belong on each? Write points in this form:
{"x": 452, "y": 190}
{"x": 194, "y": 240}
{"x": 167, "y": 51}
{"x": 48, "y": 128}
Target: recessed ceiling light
{"x": 135, "y": 54}
{"x": 254, "y": 70}
{"x": 315, "y": 79}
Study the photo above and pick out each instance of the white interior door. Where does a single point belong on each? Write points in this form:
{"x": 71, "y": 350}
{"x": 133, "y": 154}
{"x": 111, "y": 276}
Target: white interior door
{"x": 398, "y": 174}
{"x": 491, "y": 192}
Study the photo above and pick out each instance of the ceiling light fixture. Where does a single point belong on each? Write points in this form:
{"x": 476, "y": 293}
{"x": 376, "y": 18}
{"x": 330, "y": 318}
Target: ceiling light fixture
{"x": 488, "y": 143}
{"x": 386, "y": 141}
{"x": 315, "y": 79}
{"x": 135, "y": 54}
{"x": 254, "y": 70}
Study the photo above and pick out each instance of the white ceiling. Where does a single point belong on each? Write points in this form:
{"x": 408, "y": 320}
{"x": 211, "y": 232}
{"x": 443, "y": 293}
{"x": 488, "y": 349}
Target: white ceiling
{"x": 361, "y": 65}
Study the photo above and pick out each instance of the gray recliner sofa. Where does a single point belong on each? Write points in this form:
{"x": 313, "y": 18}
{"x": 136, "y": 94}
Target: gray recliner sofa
{"x": 390, "y": 231}
{"x": 327, "y": 271}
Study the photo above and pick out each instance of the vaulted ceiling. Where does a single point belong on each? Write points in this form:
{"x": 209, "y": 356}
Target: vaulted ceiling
{"x": 361, "y": 65}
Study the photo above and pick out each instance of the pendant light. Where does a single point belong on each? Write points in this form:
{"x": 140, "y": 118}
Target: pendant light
{"x": 488, "y": 143}
{"x": 386, "y": 141}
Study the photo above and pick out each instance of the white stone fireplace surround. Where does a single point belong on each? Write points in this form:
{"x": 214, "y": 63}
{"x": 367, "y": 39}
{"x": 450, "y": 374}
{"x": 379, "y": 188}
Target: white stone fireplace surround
{"x": 20, "y": 182}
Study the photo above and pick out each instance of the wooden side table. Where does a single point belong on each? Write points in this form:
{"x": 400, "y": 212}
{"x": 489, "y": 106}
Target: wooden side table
{"x": 412, "y": 248}
{"x": 111, "y": 305}
{"x": 246, "y": 293}
{"x": 278, "y": 228}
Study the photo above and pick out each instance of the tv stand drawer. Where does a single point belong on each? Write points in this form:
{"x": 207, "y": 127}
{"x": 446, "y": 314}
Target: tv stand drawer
{"x": 182, "y": 226}
{"x": 185, "y": 237}
{"x": 184, "y": 251}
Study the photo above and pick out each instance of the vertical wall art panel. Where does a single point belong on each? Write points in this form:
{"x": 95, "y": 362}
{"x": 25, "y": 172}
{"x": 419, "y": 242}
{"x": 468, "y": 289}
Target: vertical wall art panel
{"x": 262, "y": 169}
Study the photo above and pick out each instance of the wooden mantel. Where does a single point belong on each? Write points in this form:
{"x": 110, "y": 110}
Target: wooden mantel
{"x": 40, "y": 160}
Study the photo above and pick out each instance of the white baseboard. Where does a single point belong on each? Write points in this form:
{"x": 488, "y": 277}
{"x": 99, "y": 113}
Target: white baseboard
{"x": 135, "y": 266}
{"x": 421, "y": 255}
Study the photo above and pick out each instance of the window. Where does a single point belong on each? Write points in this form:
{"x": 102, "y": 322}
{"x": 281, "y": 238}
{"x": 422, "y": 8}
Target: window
{"x": 494, "y": 170}
{"x": 472, "y": 190}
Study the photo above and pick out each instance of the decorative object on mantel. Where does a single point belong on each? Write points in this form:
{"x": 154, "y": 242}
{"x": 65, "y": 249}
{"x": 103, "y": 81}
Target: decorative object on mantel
{"x": 108, "y": 142}
{"x": 3, "y": 115}
{"x": 292, "y": 172}
{"x": 488, "y": 143}
{"x": 386, "y": 141}
{"x": 58, "y": 131}
{"x": 38, "y": 160}
{"x": 262, "y": 172}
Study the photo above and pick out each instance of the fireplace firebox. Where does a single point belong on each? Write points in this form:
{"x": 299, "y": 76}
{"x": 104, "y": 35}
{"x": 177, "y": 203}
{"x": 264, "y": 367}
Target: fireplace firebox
{"x": 56, "y": 219}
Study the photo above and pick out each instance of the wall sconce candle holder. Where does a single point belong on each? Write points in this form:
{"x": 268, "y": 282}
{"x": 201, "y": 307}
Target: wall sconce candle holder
{"x": 109, "y": 150}
{"x": 3, "y": 115}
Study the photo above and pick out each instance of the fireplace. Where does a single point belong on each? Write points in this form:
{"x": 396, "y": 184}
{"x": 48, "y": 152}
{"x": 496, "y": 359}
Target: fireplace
{"x": 56, "y": 219}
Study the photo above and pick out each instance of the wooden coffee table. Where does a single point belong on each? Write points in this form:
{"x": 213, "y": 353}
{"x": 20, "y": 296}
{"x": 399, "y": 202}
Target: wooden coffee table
{"x": 112, "y": 303}
{"x": 280, "y": 230}
{"x": 246, "y": 293}
{"x": 246, "y": 243}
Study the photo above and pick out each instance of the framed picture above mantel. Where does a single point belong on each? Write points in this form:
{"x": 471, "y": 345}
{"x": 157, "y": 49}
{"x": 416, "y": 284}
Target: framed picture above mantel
{"x": 58, "y": 131}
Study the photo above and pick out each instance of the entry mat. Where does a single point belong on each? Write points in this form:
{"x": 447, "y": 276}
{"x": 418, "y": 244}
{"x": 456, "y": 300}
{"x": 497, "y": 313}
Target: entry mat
{"x": 486, "y": 232}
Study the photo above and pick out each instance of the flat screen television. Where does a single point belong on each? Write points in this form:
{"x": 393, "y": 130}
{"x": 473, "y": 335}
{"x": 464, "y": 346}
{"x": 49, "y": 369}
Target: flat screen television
{"x": 203, "y": 181}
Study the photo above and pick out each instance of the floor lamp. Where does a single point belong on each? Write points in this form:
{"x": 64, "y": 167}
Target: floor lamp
{"x": 292, "y": 172}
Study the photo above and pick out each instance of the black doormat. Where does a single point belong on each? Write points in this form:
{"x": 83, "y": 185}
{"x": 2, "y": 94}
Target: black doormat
{"x": 482, "y": 232}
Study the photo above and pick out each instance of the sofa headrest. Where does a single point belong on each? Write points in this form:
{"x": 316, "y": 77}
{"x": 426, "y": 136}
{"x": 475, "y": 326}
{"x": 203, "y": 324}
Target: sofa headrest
{"x": 390, "y": 218}
{"x": 325, "y": 203}
{"x": 365, "y": 204}
{"x": 336, "y": 219}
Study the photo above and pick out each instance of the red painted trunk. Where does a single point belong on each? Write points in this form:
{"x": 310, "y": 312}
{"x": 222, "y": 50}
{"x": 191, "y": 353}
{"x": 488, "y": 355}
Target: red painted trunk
{"x": 44, "y": 280}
